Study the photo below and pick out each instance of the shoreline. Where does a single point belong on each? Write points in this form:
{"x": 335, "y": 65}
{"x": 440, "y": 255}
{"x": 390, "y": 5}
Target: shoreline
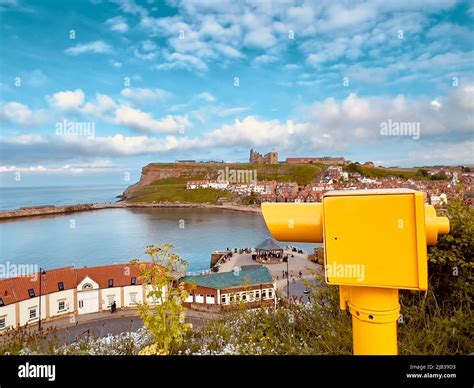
{"x": 52, "y": 210}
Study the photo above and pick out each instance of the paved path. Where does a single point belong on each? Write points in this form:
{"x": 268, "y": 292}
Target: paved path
{"x": 102, "y": 324}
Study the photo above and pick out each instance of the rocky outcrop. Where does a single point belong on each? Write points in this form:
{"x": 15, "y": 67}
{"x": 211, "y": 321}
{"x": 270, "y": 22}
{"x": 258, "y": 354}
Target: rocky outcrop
{"x": 155, "y": 172}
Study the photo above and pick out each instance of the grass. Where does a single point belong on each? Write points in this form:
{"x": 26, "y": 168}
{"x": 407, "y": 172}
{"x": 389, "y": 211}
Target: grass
{"x": 178, "y": 193}
{"x": 173, "y": 189}
{"x": 376, "y": 172}
{"x": 302, "y": 174}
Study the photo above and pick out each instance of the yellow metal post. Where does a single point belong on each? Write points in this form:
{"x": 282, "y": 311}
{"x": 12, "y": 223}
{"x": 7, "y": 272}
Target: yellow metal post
{"x": 375, "y": 312}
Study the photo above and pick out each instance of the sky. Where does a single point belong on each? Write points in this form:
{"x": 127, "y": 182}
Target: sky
{"x": 93, "y": 90}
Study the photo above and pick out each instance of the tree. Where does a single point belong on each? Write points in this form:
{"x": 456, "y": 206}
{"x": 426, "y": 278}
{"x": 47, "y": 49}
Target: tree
{"x": 423, "y": 172}
{"x": 164, "y": 317}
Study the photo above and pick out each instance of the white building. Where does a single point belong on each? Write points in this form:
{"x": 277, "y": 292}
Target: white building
{"x": 253, "y": 285}
{"x": 69, "y": 292}
{"x": 220, "y": 185}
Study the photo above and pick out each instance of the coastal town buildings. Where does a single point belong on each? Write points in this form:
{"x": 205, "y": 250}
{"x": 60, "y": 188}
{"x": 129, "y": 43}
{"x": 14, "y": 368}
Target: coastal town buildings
{"x": 248, "y": 285}
{"x": 68, "y": 292}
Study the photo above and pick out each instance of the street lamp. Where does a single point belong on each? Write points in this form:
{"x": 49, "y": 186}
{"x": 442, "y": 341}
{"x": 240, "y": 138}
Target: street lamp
{"x": 287, "y": 277}
{"x": 41, "y": 272}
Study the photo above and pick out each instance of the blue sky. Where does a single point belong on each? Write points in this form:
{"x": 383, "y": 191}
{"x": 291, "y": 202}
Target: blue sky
{"x": 158, "y": 81}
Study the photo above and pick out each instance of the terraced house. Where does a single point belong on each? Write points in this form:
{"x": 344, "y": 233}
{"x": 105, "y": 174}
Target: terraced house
{"x": 68, "y": 292}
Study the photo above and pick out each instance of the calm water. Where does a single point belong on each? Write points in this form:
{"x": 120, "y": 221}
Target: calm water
{"x": 16, "y": 197}
{"x": 118, "y": 235}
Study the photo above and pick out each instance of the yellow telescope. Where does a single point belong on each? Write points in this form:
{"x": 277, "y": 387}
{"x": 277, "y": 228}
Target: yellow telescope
{"x": 382, "y": 234}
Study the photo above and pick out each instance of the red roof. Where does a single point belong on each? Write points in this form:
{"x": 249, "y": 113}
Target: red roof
{"x": 16, "y": 289}
{"x": 121, "y": 274}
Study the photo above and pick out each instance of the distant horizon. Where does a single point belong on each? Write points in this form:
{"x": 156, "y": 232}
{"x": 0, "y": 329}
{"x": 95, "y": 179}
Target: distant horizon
{"x": 116, "y": 180}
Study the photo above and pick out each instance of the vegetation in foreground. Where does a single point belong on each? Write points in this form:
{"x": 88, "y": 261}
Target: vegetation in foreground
{"x": 439, "y": 321}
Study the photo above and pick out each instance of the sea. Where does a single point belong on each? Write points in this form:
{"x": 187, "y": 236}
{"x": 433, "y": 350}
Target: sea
{"x": 108, "y": 236}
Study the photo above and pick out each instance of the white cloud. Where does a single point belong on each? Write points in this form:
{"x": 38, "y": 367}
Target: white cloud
{"x": 291, "y": 66}
{"x": 327, "y": 124}
{"x": 264, "y": 59}
{"x": 116, "y": 64}
{"x": 182, "y": 62}
{"x": 143, "y": 95}
{"x": 93, "y": 167}
{"x": 118, "y": 24}
{"x": 250, "y": 132}
{"x": 130, "y": 7}
{"x": 450, "y": 154}
{"x": 97, "y": 47}
{"x": 232, "y": 111}
{"x": 219, "y": 31}
{"x": 206, "y": 96}
{"x": 146, "y": 56}
{"x": 17, "y": 113}
{"x": 148, "y": 45}
{"x": 260, "y": 38}
{"x": 67, "y": 99}
{"x": 228, "y": 51}
{"x": 103, "y": 106}
{"x": 144, "y": 122}
{"x": 24, "y": 139}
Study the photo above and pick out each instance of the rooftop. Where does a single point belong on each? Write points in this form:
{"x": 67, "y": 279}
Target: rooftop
{"x": 269, "y": 244}
{"x": 16, "y": 289}
{"x": 224, "y": 280}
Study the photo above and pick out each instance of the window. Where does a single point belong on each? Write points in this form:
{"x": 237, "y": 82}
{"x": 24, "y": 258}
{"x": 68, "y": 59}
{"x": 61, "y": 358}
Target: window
{"x": 270, "y": 294}
{"x": 33, "y": 313}
{"x": 81, "y": 304}
{"x": 2, "y": 323}
{"x": 231, "y": 298}
{"x": 1, "y": 302}
{"x": 223, "y": 299}
{"x": 244, "y": 296}
{"x": 264, "y": 294}
{"x": 31, "y": 293}
{"x": 61, "y": 305}
{"x": 210, "y": 296}
{"x": 111, "y": 282}
{"x": 133, "y": 298}
{"x": 87, "y": 286}
{"x": 60, "y": 286}
{"x": 133, "y": 281}
{"x": 110, "y": 299}
{"x": 257, "y": 294}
